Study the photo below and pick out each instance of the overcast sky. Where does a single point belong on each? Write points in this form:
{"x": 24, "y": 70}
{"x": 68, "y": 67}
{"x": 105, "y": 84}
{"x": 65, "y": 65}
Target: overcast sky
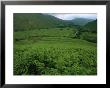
{"x": 66, "y": 16}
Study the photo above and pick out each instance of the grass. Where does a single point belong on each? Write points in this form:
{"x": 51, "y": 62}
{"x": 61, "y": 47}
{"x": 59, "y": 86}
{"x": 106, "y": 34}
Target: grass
{"x": 53, "y": 52}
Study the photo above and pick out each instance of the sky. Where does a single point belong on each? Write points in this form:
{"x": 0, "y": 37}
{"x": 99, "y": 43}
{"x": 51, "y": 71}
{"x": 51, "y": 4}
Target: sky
{"x": 66, "y": 16}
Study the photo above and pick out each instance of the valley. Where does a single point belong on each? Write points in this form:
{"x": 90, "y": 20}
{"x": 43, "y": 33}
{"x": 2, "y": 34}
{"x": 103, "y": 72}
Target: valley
{"x": 45, "y": 45}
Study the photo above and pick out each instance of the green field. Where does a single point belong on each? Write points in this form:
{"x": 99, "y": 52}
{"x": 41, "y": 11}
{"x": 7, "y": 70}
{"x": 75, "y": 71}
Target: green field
{"x": 54, "y": 51}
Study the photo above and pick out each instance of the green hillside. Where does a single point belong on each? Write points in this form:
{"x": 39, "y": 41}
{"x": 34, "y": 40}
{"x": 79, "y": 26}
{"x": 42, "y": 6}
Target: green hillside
{"x": 46, "y": 45}
{"x": 31, "y": 21}
{"x": 89, "y": 32}
{"x": 91, "y": 26}
{"x": 81, "y": 21}
{"x": 53, "y": 52}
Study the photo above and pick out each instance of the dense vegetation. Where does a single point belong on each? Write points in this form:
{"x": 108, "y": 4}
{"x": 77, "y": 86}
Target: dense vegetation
{"x": 50, "y": 49}
{"x": 32, "y": 21}
{"x": 88, "y": 32}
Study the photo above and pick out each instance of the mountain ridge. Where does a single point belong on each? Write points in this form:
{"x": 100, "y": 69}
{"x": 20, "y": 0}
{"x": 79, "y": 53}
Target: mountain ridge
{"x": 32, "y": 21}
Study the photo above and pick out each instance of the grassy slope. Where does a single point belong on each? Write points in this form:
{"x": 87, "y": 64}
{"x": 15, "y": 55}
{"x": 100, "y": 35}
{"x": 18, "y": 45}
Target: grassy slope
{"x": 53, "y": 52}
{"x": 32, "y": 21}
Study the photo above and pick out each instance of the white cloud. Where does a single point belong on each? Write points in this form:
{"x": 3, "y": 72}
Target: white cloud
{"x": 66, "y": 16}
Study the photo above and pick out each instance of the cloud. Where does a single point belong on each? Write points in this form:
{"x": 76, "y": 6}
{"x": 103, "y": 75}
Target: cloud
{"x": 66, "y": 16}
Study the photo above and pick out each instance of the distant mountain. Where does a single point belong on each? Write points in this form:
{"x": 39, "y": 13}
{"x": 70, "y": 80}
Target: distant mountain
{"x": 30, "y": 21}
{"x": 81, "y": 21}
{"x": 91, "y": 26}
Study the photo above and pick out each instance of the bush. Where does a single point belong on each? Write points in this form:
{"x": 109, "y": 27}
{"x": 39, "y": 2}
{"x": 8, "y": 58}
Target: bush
{"x": 55, "y": 61}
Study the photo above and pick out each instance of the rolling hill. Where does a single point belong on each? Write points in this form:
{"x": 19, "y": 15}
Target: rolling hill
{"x": 81, "y": 21}
{"x": 91, "y": 26}
{"x": 30, "y": 21}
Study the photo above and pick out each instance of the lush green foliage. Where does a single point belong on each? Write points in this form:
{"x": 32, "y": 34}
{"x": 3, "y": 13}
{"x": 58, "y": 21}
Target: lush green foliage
{"x": 91, "y": 27}
{"x": 53, "y": 52}
{"x": 91, "y": 37}
{"x": 45, "y": 45}
{"x": 87, "y": 32}
{"x": 55, "y": 61}
{"x": 32, "y": 21}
